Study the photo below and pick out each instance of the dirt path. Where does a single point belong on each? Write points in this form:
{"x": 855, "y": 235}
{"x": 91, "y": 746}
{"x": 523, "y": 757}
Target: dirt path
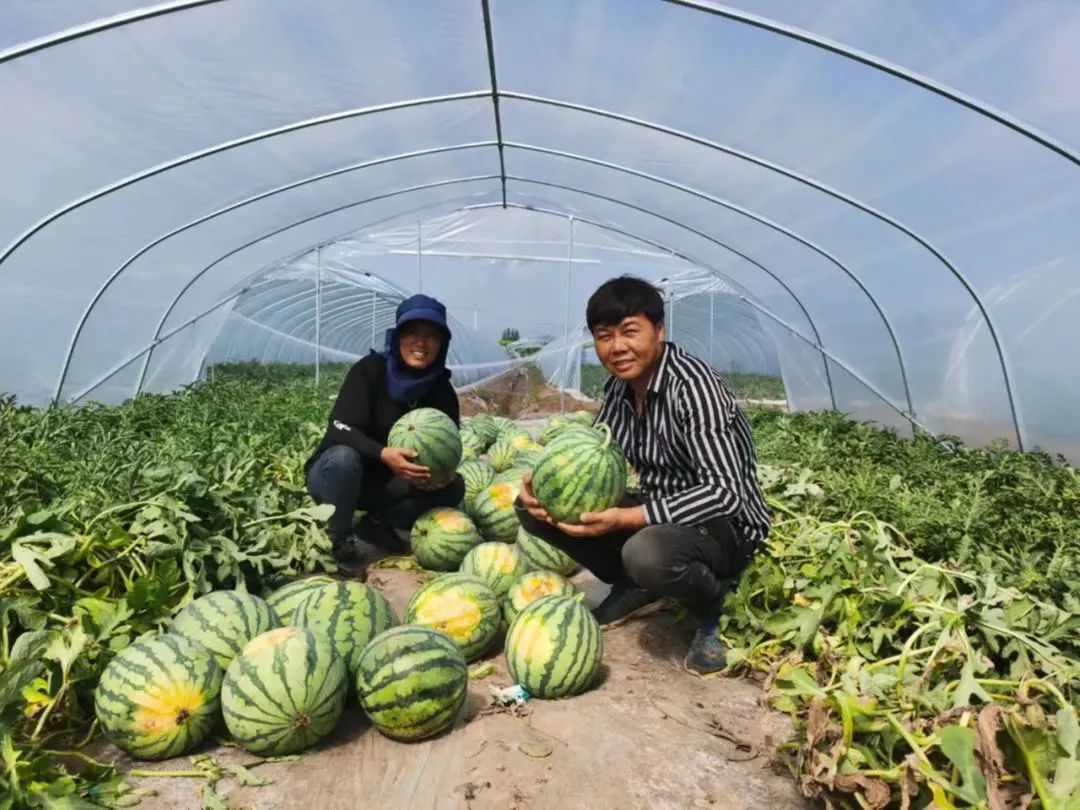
{"x": 649, "y": 736}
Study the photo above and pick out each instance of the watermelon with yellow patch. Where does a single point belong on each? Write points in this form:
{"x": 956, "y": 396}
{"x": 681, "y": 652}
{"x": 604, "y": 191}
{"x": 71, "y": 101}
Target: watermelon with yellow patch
{"x": 284, "y": 692}
{"x": 493, "y": 511}
{"x": 460, "y": 606}
{"x": 159, "y": 697}
{"x": 498, "y": 564}
{"x": 532, "y": 586}
{"x": 476, "y": 474}
{"x": 554, "y": 648}
{"x": 442, "y": 537}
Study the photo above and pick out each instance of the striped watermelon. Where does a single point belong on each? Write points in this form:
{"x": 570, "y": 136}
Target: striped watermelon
{"x": 498, "y": 564}
{"x": 553, "y": 648}
{"x": 511, "y": 476}
{"x": 284, "y": 692}
{"x": 223, "y": 622}
{"x": 434, "y": 437}
{"x": 532, "y": 586}
{"x": 582, "y": 417}
{"x": 476, "y": 474}
{"x": 555, "y": 425}
{"x": 285, "y": 599}
{"x": 484, "y": 427}
{"x": 412, "y": 682}
{"x": 493, "y": 511}
{"x": 347, "y": 613}
{"x": 540, "y": 554}
{"x": 582, "y": 471}
{"x": 461, "y": 607}
{"x": 442, "y": 537}
{"x": 471, "y": 443}
{"x": 501, "y": 455}
{"x": 159, "y": 697}
{"x": 504, "y": 426}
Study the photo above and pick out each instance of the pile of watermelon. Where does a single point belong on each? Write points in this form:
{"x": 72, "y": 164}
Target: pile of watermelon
{"x": 278, "y": 672}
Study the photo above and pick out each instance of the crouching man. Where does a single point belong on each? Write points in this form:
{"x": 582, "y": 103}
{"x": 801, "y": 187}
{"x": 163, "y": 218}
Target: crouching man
{"x": 700, "y": 514}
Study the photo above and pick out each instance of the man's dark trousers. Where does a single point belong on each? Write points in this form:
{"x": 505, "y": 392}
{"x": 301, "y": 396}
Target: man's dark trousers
{"x": 695, "y": 565}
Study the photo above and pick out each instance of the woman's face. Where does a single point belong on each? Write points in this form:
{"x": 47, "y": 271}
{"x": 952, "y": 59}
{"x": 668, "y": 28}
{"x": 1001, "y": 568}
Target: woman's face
{"x": 419, "y": 343}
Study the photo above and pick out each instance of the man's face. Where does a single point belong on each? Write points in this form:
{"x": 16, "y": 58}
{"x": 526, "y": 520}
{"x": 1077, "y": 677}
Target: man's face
{"x": 630, "y": 348}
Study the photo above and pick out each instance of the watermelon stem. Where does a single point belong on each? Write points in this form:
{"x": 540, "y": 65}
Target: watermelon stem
{"x": 603, "y": 428}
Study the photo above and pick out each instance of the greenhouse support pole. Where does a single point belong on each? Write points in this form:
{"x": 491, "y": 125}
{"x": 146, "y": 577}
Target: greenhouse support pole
{"x": 711, "y": 296}
{"x": 374, "y": 306}
{"x": 318, "y": 308}
{"x": 566, "y": 317}
{"x": 419, "y": 260}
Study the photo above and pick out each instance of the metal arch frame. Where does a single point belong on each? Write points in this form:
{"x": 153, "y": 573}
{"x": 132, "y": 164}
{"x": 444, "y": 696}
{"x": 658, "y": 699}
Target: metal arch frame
{"x": 286, "y": 305}
{"x": 759, "y": 307}
{"x": 489, "y": 38}
{"x": 876, "y": 213}
{"x": 734, "y": 251}
{"x": 97, "y": 26}
{"x": 730, "y": 249}
{"x": 738, "y": 209}
{"x": 225, "y": 146}
{"x": 149, "y": 347}
{"x": 884, "y": 66}
{"x": 88, "y": 311}
{"x": 191, "y": 281}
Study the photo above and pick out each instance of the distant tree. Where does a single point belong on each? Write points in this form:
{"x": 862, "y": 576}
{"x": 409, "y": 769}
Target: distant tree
{"x": 509, "y": 336}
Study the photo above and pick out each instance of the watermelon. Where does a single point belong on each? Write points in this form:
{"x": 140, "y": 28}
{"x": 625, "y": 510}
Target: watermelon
{"x": 498, "y": 564}
{"x": 476, "y": 474}
{"x": 540, "y": 554}
{"x": 532, "y": 586}
{"x": 223, "y": 622}
{"x": 442, "y": 537}
{"x": 471, "y": 443}
{"x": 159, "y": 697}
{"x": 284, "y": 692}
{"x": 434, "y": 437}
{"x": 347, "y": 613}
{"x": 461, "y": 607}
{"x": 493, "y": 511}
{"x": 511, "y": 476}
{"x": 581, "y": 471}
{"x": 285, "y": 599}
{"x": 504, "y": 426}
{"x": 412, "y": 682}
{"x": 555, "y": 425}
{"x": 501, "y": 455}
{"x": 484, "y": 427}
{"x": 553, "y": 648}
{"x": 582, "y": 417}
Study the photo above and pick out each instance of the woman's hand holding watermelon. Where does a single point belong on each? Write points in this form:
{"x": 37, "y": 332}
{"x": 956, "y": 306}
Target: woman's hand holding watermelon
{"x": 398, "y": 460}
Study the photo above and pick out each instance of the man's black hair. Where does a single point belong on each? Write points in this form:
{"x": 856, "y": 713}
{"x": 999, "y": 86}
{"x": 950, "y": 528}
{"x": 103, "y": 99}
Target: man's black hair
{"x": 622, "y": 297}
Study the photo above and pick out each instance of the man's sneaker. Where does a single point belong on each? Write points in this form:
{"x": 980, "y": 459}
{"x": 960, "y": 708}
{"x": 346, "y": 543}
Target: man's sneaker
{"x": 708, "y": 654}
{"x": 625, "y": 601}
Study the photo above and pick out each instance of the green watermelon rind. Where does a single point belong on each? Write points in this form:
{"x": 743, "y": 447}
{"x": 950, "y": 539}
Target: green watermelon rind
{"x": 478, "y": 563}
{"x": 579, "y": 472}
{"x": 223, "y": 622}
{"x": 349, "y": 614}
{"x": 434, "y": 437}
{"x": 412, "y": 682}
{"x": 438, "y": 549}
{"x": 479, "y": 640}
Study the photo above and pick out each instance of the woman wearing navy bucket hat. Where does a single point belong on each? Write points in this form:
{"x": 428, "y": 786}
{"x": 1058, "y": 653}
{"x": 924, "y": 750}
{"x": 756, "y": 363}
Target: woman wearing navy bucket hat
{"x": 353, "y": 468}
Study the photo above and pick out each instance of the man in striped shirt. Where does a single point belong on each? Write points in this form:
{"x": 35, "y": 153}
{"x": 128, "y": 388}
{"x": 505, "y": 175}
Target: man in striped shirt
{"x": 700, "y": 514}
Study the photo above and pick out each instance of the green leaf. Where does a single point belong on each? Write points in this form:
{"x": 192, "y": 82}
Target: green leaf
{"x": 1068, "y": 732}
{"x": 37, "y": 551}
{"x": 246, "y": 777}
{"x": 958, "y": 744}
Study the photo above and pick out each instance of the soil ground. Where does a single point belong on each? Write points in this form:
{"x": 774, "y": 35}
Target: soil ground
{"x": 649, "y": 735}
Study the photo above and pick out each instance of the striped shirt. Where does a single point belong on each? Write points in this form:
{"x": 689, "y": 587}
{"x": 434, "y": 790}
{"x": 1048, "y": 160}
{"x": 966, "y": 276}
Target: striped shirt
{"x": 692, "y": 447}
